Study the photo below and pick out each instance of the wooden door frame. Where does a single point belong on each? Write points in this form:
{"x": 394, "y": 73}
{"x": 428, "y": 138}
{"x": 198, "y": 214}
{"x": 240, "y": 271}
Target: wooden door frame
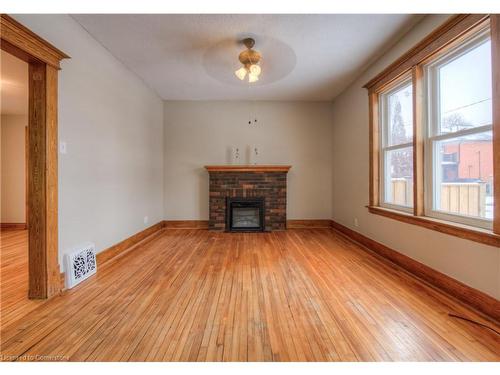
{"x": 44, "y": 64}
{"x": 26, "y": 175}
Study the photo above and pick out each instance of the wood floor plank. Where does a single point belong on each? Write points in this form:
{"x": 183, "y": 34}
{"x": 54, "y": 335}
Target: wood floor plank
{"x": 195, "y": 295}
{"x": 14, "y": 302}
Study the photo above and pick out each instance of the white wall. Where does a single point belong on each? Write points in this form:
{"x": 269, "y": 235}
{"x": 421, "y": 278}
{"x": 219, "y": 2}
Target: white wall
{"x": 13, "y": 185}
{"x": 198, "y": 133}
{"x": 112, "y": 174}
{"x": 472, "y": 263}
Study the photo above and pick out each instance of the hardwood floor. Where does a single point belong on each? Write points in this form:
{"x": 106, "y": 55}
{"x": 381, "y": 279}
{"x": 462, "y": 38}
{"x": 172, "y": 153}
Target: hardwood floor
{"x": 14, "y": 276}
{"x": 299, "y": 295}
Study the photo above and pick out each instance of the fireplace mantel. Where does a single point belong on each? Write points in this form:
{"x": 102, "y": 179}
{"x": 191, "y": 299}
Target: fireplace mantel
{"x": 248, "y": 168}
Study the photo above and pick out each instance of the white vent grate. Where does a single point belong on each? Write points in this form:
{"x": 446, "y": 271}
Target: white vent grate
{"x": 80, "y": 264}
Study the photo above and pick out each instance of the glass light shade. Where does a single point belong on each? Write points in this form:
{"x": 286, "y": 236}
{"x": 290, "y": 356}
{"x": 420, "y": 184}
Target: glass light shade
{"x": 241, "y": 73}
{"x": 252, "y": 78}
{"x": 255, "y": 70}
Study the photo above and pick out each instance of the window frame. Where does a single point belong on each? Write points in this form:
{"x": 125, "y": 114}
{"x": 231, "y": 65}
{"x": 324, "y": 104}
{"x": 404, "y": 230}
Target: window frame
{"x": 433, "y": 133}
{"x": 385, "y": 148}
{"x": 435, "y": 47}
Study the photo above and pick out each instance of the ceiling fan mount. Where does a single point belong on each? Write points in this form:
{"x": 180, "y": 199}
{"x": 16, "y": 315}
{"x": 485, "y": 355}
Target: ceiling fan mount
{"x": 249, "y": 42}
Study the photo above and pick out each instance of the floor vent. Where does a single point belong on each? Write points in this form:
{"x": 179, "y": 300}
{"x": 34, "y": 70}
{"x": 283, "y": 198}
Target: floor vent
{"x": 80, "y": 264}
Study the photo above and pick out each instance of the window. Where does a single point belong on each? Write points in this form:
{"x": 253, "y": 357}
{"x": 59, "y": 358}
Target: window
{"x": 435, "y": 132}
{"x": 459, "y": 146}
{"x": 396, "y": 110}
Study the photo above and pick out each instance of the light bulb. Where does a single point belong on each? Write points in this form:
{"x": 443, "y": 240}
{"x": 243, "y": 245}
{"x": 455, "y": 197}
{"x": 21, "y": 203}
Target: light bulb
{"x": 255, "y": 70}
{"x": 252, "y": 78}
{"x": 241, "y": 73}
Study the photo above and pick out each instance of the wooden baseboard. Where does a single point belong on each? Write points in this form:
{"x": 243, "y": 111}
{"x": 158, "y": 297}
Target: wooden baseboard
{"x": 125, "y": 245}
{"x": 308, "y": 224}
{"x": 466, "y": 294}
{"x": 186, "y": 224}
{"x": 203, "y": 224}
{"x": 13, "y": 226}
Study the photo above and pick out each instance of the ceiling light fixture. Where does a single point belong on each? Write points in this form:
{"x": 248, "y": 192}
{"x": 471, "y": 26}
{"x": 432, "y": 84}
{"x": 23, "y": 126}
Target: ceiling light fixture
{"x": 250, "y": 60}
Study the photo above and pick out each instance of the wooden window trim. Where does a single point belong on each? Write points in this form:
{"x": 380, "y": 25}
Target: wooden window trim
{"x": 495, "y": 65}
{"x": 455, "y": 229}
{"x": 440, "y": 38}
{"x": 374, "y": 149}
{"x": 385, "y": 144}
{"x": 437, "y": 42}
{"x": 418, "y": 140}
{"x": 44, "y": 64}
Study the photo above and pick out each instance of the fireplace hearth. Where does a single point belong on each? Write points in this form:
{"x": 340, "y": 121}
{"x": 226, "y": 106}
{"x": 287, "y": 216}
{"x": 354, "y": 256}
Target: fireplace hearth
{"x": 245, "y": 214}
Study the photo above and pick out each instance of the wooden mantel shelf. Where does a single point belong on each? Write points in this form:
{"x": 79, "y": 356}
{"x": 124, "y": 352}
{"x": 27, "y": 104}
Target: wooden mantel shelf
{"x": 248, "y": 168}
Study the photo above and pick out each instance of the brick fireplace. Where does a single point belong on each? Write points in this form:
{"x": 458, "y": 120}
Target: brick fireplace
{"x": 266, "y": 182}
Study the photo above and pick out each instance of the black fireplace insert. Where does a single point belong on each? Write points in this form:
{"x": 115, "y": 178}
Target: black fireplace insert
{"x": 245, "y": 214}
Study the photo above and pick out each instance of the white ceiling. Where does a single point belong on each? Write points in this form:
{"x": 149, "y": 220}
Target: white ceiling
{"x": 14, "y": 85}
{"x": 193, "y": 57}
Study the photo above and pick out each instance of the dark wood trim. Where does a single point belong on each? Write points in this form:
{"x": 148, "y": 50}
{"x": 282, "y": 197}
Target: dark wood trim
{"x": 37, "y": 201}
{"x": 458, "y": 230}
{"x": 248, "y": 168}
{"x": 308, "y": 224}
{"x": 13, "y": 226}
{"x": 464, "y": 293}
{"x": 23, "y": 43}
{"x": 449, "y": 31}
{"x": 44, "y": 62}
{"x": 26, "y": 174}
{"x": 42, "y": 188}
{"x": 186, "y": 224}
{"x": 127, "y": 244}
{"x": 495, "y": 55}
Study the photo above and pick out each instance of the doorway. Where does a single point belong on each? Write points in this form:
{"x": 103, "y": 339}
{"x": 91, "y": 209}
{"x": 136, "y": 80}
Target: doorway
{"x": 14, "y": 172}
{"x": 43, "y": 63}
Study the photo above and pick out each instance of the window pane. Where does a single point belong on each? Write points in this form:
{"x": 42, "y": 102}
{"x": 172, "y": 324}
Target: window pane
{"x": 399, "y": 177}
{"x": 464, "y": 181}
{"x": 465, "y": 90}
{"x": 400, "y": 116}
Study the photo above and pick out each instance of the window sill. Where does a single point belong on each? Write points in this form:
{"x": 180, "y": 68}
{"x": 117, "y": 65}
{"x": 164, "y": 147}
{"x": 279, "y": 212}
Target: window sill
{"x": 483, "y": 236}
